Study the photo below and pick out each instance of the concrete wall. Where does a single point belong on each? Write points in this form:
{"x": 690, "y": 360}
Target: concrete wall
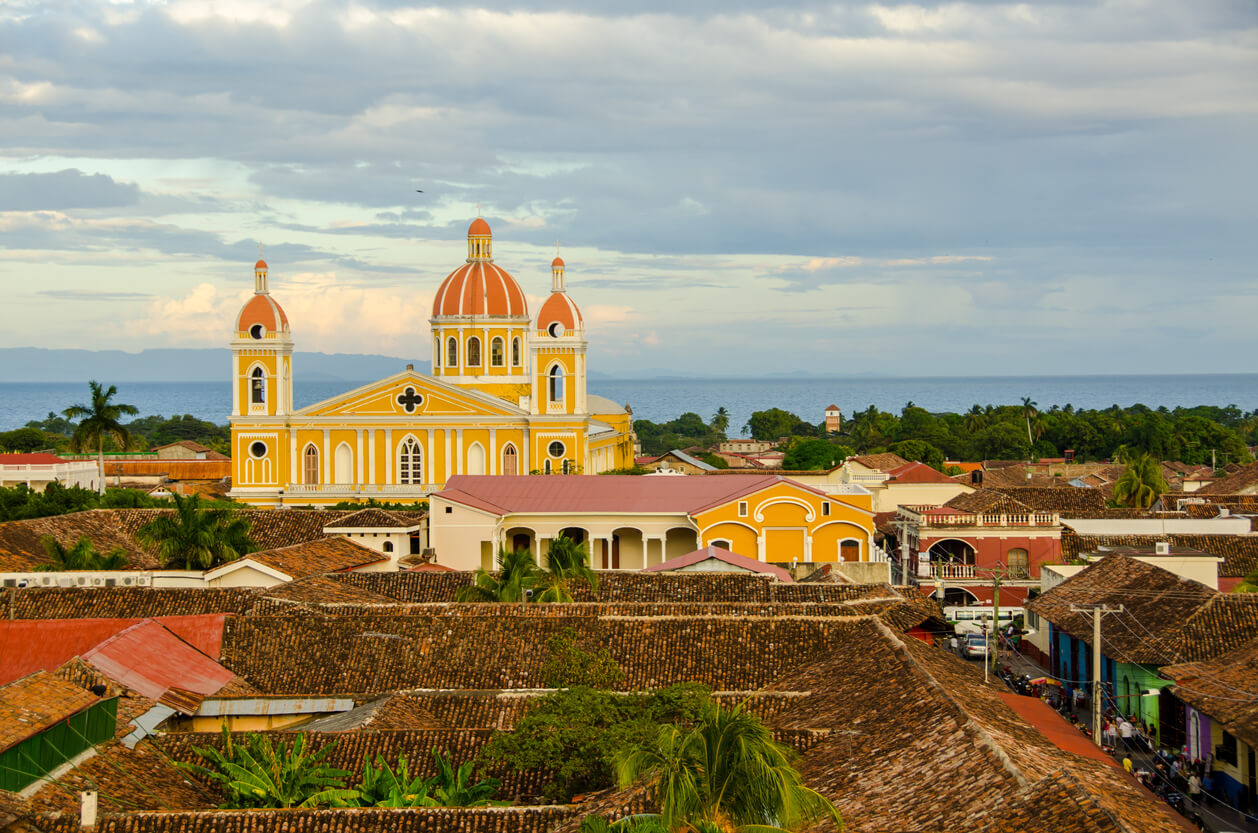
{"x": 1159, "y": 526}
{"x": 864, "y": 572}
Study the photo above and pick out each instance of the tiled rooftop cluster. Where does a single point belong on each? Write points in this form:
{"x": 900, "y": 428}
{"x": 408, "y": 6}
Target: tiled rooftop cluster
{"x": 20, "y": 547}
{"x": 1215, "y": 687}
{"x": 1239, "y": 552}
{"x": 1166, "y": 618}
{"x": 314, "y": 557}
{"x": 123, "y": 602}
{"x": 369, "y": 653}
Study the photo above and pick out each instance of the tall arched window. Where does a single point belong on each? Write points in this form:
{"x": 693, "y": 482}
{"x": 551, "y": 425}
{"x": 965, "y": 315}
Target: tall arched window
{"x": 556, "y": 384}
{"x": 257, "y": 386}
{"x": 473, "y": 352}
{"x": 310, "y": 465}
{"x": 849, "y": 550}
{"x": 343, "y": 464}
{"x": 1019, "y": 563}
{"x": 497, "y": 353}
{"x": 515, "y": 352}
{"x": 410, "y": 460}
{"x": 510, "y": 461}
{"x": 452, "y": 352}
{"x": 436, "y": 353}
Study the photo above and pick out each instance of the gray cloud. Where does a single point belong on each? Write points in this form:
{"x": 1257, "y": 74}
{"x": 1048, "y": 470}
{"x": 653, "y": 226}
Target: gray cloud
{"x": 91, "y": 295}
{"x": 63, "y": 190}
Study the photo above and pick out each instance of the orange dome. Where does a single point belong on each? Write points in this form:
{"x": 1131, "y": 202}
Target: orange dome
{"x": 558, "y": 261}
{"x": 261, "y": 310}
{"x": 559, "y": 309}
{"x": 482, "y": 289}
{"x": 479, "y": 228}
{"x": 261, "y": 264}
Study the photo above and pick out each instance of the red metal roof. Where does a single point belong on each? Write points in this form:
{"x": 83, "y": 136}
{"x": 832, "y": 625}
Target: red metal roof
{"x": 501, "y": 494}
{"x": 28, "y": 645}
{"x": 40, "y": 459}
{"x": 149, "y": 659}
{"x": 720, "y": 554}
{"x": 918, "y": 473}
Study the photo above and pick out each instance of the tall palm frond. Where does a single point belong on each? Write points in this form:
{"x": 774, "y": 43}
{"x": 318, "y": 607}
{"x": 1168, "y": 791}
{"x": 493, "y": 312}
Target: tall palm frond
{"x": 98, "y": 421}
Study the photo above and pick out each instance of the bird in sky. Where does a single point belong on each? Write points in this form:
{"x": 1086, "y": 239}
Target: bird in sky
{"x": 417, "y": 191}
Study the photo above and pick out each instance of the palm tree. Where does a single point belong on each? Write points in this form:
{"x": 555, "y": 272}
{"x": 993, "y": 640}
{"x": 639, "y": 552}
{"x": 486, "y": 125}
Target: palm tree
{"x": 1140, "y": 484}
{"x": 1029, "y": 410}
{"x": 720, "y": 421}
{"x": 197, "y": 537}
{"x": 566, "y": 561}
{"x": 975, "y": 419}
{"x": 81, "y": 556}
{"x": 725, "y": 774}
{"x": 517, "y": 574}
{"x": 97, "y": 421}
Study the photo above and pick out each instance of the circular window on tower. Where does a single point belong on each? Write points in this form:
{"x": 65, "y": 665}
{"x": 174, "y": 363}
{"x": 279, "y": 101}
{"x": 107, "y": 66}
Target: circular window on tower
{"x": 258, "y": 449}
{"x": 257, "y": 331}
{"x": 555, "y": 330}
{"x": 556, "y": 449}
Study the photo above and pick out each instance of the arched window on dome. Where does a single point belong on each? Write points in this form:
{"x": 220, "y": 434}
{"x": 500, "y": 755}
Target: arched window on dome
{"x": 473, "y": 352}
{"x": 257, "y": 386}
{"x": 436, "y": 352}
{"x": 515, "y": 352}
{"x": 496, "y": 352}
{"x": 452, "y": 352}
{"x": 310, "y": 465}
{"x": 410, "y": 462}
{"x": 556, "y": 384}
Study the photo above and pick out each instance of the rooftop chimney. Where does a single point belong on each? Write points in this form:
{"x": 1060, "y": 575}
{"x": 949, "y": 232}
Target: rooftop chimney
{"x": 1162, "y": 548}
{"x": 410, "y": 367}
{"x": 87, "y": 809}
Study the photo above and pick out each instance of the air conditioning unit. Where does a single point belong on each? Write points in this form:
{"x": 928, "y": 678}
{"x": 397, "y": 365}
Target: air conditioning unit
{"x": 128, "y": 580}
{"x": 1162, "y": 548}
{"x": 142, "y": 581}
{"x": 97, "y": 581}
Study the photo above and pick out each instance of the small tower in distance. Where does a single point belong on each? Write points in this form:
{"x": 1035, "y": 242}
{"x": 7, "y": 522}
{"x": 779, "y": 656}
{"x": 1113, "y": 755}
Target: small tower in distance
{"x": 834, "y": 419}
{"x": 262, "y": 354}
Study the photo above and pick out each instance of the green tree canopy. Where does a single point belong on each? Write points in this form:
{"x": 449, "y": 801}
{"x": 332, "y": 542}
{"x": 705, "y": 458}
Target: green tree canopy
{"x": 1140, "y": 484}
{"x": 81, "y": 556}
{"x": 776, "y": 423}
{"x": 814, "y": 454}
{"x": 920, "y": 451}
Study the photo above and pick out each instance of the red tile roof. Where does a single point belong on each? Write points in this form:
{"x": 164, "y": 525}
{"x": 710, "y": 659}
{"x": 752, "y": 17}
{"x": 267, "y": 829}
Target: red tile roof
{"x": 35, "y": 702}
{"x": 150, "y": 660}
{"x": 29, "y": 459}
{"x": 720, "y": 554}
{"x": 501, "y": 495}
{"x": 28, "y": 645}
{"x": 918, "y": 473}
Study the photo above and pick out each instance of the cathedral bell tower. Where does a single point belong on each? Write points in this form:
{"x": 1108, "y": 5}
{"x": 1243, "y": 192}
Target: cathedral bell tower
{"x": 558, "y": 346}
{"x": 262, "y": 355}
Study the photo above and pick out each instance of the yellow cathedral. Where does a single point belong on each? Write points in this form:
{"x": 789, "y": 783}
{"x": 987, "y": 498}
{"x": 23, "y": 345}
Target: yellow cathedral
{"x": 506, "y": 395}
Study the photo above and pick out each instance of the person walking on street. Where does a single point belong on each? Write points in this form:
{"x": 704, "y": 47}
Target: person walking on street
{"x": 1125, "y": 732}
{"x": 1194, "y": 790}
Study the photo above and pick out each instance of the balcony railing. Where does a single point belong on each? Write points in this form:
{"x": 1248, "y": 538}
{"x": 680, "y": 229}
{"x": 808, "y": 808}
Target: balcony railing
{"x": 354, "y": 490}
{"x": 918, "y": 516}
{"x": 950, "y": 570}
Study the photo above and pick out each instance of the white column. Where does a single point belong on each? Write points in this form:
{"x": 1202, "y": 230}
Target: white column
{"x": 493, "y": 451}
{"x": 371, "y": 455}
{"x": 361, "y": 462}
{"x": 458, "y": 450}
{"x": 607, "y": 551}
{"x": 292, "y": 455}
{"x": 327, "y": 456}
{"x": 462, "y": 352}
{"x": 525, "y": 443}
{"x": 484, "y": 352}
{"x": 807, "y": 547}
{"x": 235, "y": 384}
{"x": 760, "y": 547}
{"x": 580, "y": 382}
{"x": 449, "y": 466}
{"x": 430, "y": 464}
{"x": 388, "y": 456}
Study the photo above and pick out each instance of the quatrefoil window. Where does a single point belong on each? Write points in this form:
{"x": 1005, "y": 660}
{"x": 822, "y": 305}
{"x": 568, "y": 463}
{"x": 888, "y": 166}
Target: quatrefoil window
{"x": 409, "y": 399}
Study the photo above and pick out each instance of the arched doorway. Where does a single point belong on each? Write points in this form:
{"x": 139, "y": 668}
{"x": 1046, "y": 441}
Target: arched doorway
{"x": 951, "y": 558}
{"x": 476, "y": 459}
{"x": 343, "y": 464}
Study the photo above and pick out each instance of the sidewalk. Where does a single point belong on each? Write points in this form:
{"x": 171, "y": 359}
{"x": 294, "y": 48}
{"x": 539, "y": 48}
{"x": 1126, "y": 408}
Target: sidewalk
{"x": 1218, "y": 817}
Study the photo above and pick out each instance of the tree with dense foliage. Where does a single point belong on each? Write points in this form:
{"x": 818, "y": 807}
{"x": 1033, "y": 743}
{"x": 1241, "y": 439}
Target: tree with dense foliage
{"x": 1140, "y": 484}
{"x": 568, "y": 664}
{"x": 517, "y": 574}
{"x": 81, "y": 556}
{"x": 197, "y": 537}
{"x": 813, "y": 454}
{"x": 687, "y": 431}
{"x": 257, "y": 773}
{"x": 567, "y": 561}
{"x": 726, "y": 773}
{"x": 776, "y": 423}
{"x": 383, "y": 785}
{"x": 720, "y": 421}
{"x": 98, "y": 422}
{"x": 572, "y": 735}
{"x": 21, "y": 502}
{"x": 24, "y": 441}
{"x": 919, "y": 451}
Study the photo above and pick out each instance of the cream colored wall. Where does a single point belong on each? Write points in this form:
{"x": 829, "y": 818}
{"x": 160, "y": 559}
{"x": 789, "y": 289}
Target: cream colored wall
{"x": 245, "y": 576}
{"x": 891, "y": 496}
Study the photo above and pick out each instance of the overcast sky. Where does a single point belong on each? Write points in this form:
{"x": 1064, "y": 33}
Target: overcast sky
{"x": 920, "y": 189}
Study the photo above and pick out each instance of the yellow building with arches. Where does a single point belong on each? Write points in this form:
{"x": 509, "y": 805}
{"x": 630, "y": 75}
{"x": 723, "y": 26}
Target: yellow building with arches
{"x": 506, "y": 396}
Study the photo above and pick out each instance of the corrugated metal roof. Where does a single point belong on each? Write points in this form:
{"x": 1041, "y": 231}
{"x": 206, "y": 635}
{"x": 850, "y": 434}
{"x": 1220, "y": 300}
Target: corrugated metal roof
{"x": 151, "y": 660}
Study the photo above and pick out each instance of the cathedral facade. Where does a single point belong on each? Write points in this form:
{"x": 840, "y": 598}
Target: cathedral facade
{"x": 506, "y": 395}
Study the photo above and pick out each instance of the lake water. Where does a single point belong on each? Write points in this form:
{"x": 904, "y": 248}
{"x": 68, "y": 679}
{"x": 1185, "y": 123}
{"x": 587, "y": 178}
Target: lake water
{"x": 661, "y": 400}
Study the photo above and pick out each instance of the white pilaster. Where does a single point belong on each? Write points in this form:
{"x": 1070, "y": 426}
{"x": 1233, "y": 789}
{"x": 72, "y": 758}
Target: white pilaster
{"x": 807, "y": 547}
{"x": 361, "y": 462}
{"x": 430, "y": 464}
{"x": 760, "y": 547}
{"x": 493, "y": 451}
{"x": 292, "y": 456}
{"x": 449, "y": 466}
{"x": 371, "y": 455}
{"x": 458, "y": 451}
{"x": 327, "y": 455}
{"x": 389, "y": 468}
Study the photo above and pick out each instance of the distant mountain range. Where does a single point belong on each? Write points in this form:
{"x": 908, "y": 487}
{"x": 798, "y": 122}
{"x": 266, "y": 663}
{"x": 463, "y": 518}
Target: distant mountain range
{"x": 36, "y": 364}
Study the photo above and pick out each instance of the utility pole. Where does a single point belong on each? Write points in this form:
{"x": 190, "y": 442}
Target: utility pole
{"x": 997, "y": 575}
{"x": 1096, "y": 611}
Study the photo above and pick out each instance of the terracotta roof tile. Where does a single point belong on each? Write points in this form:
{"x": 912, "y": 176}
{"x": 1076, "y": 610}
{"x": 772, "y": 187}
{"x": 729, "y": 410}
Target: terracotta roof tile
{"x": 1243, "y": 480}
{"x": 328, "y": 555}
{"x": 881, "y": 462}
{"x": 34, "y": 703}
{"x": 1239, "y": 552}
{"x": 374, "y": 518}
{"x": 1223, "y": 688}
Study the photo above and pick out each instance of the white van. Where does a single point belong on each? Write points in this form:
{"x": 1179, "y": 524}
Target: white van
{"x": 978, "y": 618}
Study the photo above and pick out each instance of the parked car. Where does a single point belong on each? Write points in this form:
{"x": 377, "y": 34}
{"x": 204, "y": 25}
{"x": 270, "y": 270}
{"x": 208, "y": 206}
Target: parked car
{"x": 975, "y": 645}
